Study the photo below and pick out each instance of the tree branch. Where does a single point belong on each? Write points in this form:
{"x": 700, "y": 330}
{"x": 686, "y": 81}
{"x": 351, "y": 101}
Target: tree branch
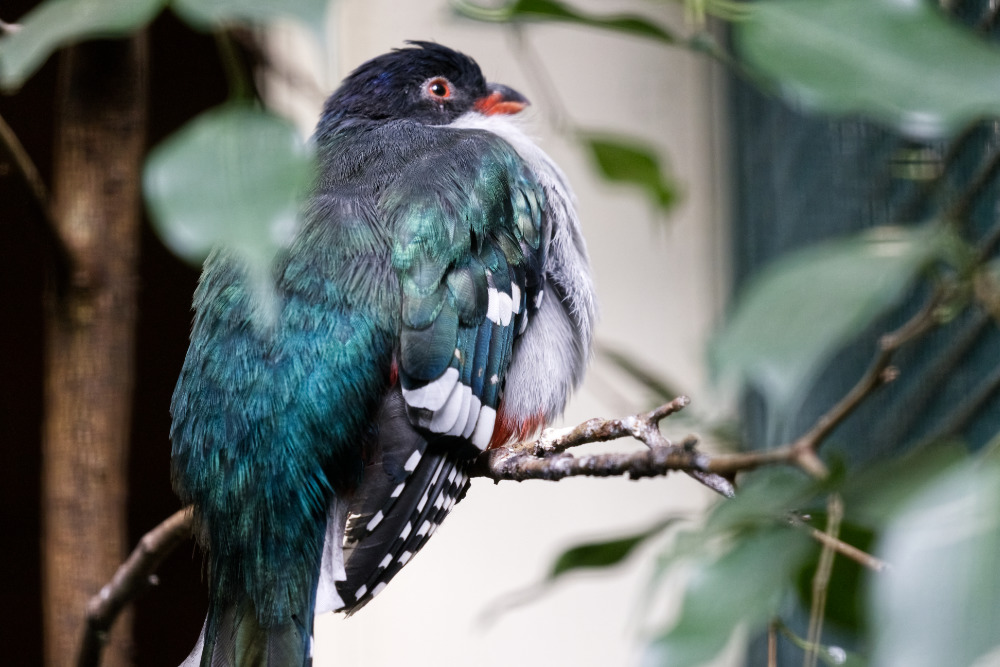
{"x": 134, "y": 577}
{"x": 547, "y": 458}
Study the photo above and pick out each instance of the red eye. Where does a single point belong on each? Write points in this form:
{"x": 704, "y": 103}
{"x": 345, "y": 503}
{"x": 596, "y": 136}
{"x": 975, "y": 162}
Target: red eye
{"x": 439, "y": 88}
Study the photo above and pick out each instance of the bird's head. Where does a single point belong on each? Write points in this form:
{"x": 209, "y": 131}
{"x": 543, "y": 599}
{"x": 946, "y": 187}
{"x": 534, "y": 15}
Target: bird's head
{"x": 425, "y": 82}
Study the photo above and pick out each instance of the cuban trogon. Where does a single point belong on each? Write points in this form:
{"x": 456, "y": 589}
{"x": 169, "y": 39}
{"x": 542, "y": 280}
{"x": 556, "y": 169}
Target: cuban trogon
{"x": 436, "y": 301}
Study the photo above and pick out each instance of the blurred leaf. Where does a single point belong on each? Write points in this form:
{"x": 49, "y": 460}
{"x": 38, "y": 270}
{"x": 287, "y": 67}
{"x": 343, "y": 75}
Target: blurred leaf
{"x": 940, "y": 605}
{"x": 765, "y": 496}
{"x": 764, "y": 500}
{"x": 234, "y": 177}
{"x": 552, "y": 10}
{"x": 874, "y": 494}
{"x": 57, "y": 23}
{"x": 623, "y": 161}
{"x": 206, "y": 14}
{"x": 603, "y": 554}
{"x": 743, "y": 587}
{"x": 900, "y": 61}
{"x": 802, "y": 308}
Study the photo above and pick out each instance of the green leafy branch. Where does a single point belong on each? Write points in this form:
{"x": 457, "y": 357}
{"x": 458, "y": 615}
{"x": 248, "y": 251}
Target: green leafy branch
{"x": 909, "y": 66}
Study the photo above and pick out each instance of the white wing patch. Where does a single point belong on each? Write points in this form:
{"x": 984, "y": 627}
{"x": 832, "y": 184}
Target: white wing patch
{"x": 433, "y": 394}
{"x": 484, "y": 427}
{"x": 411, "y": 463}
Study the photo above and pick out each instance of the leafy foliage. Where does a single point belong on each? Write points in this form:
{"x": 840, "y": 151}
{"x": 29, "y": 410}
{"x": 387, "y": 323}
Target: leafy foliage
{"x": 940, "y": 606}
{"x": 56, "y": 23}
{"x": 553, "y": 10}
{"x": 206, "y": 14}
{"x": 603, "y": 553}
{"x": 932, "y": 515}
{"x": 936, "y": 605}
{"x": 792, "y": 317}
{"x": 622, "y": 161}
{"x": 234, "y": 176}
{"x": 902, "y": 63}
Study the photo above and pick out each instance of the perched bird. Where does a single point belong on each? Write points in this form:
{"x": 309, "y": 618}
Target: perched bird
{"x": 436, "y": 301}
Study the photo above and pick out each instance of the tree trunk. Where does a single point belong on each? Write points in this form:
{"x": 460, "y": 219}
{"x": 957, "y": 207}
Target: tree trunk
{"x": 90, "y": 322}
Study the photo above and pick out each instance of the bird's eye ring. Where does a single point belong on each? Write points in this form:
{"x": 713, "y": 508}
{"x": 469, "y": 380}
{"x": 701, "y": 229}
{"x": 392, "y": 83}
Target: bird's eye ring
{"x": 438, "y": 88}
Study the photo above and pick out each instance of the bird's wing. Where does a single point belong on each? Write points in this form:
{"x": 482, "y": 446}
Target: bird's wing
{"x": 468, "y": 246}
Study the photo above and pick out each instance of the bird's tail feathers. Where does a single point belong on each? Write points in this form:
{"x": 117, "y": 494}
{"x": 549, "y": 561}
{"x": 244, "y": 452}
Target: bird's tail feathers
{"x": 374, "y": 554}
{"x": 233, "y": 637}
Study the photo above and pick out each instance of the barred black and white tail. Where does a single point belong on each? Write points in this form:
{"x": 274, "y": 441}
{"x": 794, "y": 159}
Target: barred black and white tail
{"x": 409, "y": 486}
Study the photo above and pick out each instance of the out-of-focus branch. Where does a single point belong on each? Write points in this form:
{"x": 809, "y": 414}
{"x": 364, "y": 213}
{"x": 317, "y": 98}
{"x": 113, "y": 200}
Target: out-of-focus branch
{"x": 135, "y": 576}
{"x": 863, "y": 558}
{"x": 28, "y": 172}
{"x": 879, "y": 373}
{"x": 821, "y": 580}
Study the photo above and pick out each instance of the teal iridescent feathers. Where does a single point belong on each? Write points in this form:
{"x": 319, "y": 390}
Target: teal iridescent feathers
{"x": 269, "y": 415}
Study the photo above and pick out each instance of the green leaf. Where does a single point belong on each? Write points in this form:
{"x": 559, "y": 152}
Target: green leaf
{"x": 764, "y": 496}
{"x": 745, "y": 586}
{"x": 899, "y": 61}
{"x": 551, "y": 10}
{"x": 207, "y": 14}
{"x": 763, "y": 501}
{"x": 939, "y": 605}
{"x": 234, "y": 176}
{"x": 57, "y": 23}
{"x": 624, "y": 161}
{"x": 872, "y": 501}
{"x": 603, "y": 554}
{"x": 801, "y": 309}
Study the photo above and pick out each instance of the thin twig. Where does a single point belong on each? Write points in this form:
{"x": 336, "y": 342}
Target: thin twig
{"x": 987, "y": 293}
{"x": 772, "y": 644}
{"x": 134, "y": 576}
{"x": 641, "y": 427}
{"x": 25, "y": 166}
{"x": 821, "y": 580}
{"x": 31, "y": 177}
{"x": 960, "y": 209}
{"x": 879, "y": 373}
{"x": 863, "y": 558}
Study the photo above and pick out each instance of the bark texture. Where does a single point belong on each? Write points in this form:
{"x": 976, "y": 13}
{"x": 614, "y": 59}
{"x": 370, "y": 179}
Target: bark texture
{"x": 90, "y": 324}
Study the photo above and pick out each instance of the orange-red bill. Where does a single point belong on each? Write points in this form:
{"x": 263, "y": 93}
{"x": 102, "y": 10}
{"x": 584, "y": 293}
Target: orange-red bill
{"x": 501, "y": 100}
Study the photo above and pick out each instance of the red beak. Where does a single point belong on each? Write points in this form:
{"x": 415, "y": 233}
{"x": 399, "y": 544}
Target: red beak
{"x": 501, "y": 100}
